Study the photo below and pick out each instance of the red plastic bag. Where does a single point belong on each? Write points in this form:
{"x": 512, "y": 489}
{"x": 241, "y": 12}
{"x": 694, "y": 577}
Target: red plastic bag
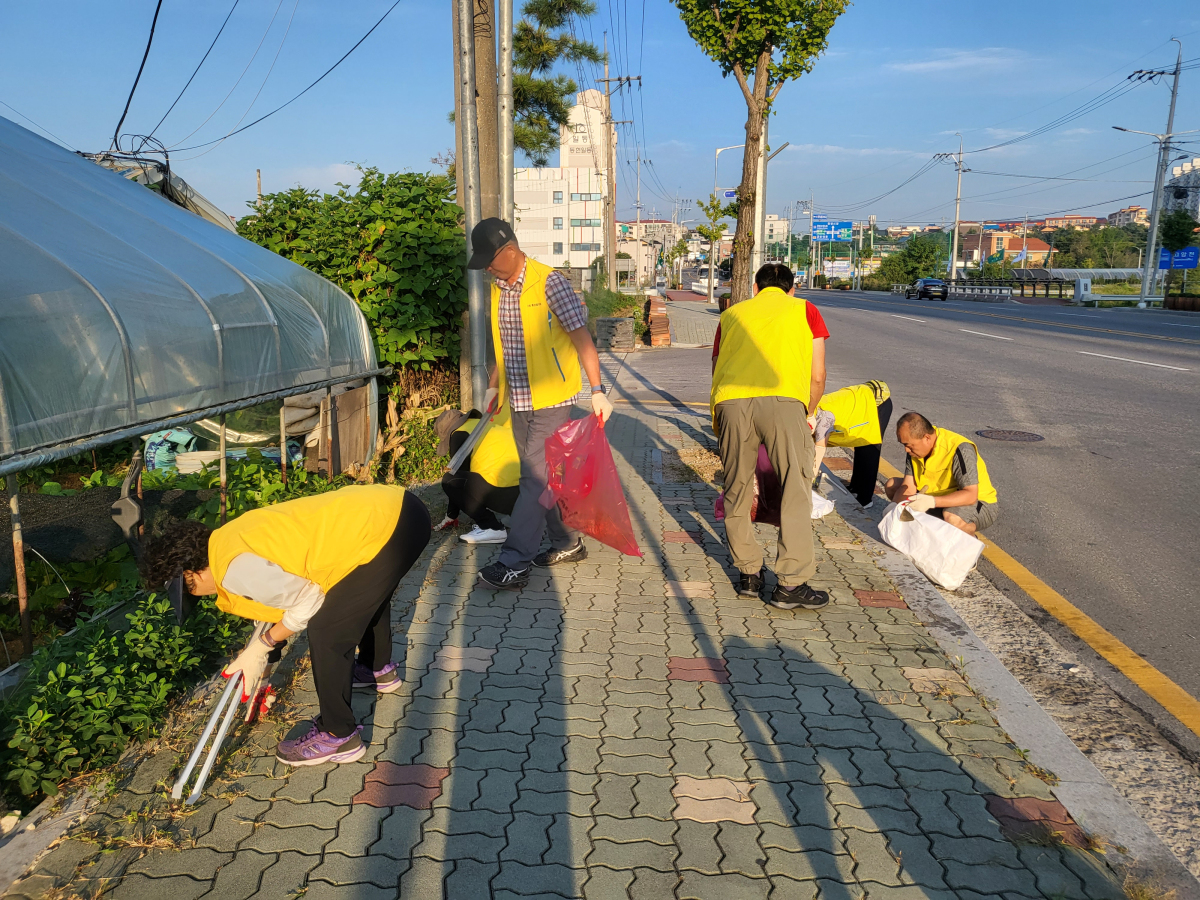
{"x": 768, "y": 493}
{"x": 583, "y": 480}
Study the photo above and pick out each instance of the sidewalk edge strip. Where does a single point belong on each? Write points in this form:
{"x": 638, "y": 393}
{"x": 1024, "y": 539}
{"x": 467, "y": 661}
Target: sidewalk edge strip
{"x": 1174, "y": 699}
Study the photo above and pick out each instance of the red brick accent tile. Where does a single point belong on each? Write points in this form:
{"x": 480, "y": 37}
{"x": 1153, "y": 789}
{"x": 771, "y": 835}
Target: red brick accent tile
{"x": 698, "y": 668}
{"x": 1028, "y": 817}
{"x": 880, "y": 599}
{"x": 389, "y": 785}
{"x": 837, "y": 464}
{"x": 680, "y": 537}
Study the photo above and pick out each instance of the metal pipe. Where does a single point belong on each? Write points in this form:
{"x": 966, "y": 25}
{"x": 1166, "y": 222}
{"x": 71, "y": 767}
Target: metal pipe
{"x": 467, "y": 115}
{"x": 14, "y": 510}
{"x": 30, "y": 459}
{"x": 283, "y": 451}
{"x": 230, "y": 715}
{"x": 224, "y": 482}
{"x": 506, "y": 109}
{"x": 233, "y": 685}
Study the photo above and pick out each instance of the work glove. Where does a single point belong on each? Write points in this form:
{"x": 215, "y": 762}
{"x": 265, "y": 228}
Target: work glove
{"x": 812, "y": 422}
{"x": 251, "y": 662}
{"x": 491, "y": 402}
{"x": 601, "y": 405}
{"x": 921, "y": 503}
{"x": 446, "y": 522}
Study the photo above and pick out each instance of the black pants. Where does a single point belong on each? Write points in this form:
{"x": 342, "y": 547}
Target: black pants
{"x": 866, "y": 460}
{"x": 469, "y": 492}
{"x": 357, "y": 613}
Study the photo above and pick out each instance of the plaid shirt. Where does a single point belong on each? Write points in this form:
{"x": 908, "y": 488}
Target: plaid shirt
{"x": 563, "y": 302}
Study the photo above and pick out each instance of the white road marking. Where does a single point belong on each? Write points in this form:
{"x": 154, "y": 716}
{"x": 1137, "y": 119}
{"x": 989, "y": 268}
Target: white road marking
{"x": 910, "y": 318}
{"x": 1140, "y": 362}
{"x": 1082, "y": 315}
{"x": 984, "y": 334}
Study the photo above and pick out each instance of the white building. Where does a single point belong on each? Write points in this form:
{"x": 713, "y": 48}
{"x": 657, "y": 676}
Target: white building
{"x": 776, "y": 229}
{"x": 1185, "y": 182}
{"x": 560, "y": 211}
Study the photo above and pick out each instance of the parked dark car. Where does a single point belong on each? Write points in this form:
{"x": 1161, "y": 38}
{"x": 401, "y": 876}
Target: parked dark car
{"x": 927, "y": 289}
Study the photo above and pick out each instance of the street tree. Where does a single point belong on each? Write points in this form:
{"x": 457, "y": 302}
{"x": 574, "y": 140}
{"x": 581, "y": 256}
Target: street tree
{"x": 715, "y": 212}
{"x": 1109, "y": 244}
{"x": 677, "y": 252}
{"x": 541, "y": 100}
{"x": 1176, "y": 231}
{"x": 764, "y": 44}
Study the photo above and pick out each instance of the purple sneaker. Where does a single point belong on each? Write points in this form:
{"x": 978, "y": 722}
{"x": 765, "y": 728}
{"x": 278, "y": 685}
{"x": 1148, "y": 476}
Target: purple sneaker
{"x": 385, "y": 680}
{"x": 317, "y": 747}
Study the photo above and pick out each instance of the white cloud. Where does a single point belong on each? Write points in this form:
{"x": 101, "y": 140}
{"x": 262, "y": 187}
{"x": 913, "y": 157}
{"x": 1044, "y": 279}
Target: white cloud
{"x": 318, "y": 178}
{"x": 853, "y": 151}
{"x": 983, "y": 59}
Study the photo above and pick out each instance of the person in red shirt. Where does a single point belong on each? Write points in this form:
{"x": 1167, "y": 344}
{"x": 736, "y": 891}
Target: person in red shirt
{"x": 816, "y": 323}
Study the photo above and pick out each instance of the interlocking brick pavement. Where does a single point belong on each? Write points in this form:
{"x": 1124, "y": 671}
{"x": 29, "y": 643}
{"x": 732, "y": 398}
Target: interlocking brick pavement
{"x": 544, "y": 744}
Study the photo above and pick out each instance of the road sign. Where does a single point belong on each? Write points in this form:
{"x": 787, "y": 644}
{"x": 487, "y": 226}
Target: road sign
{"x": 824, "y": 230}
{"x": 820, "y": 227}
{"x": 1184, "y": 259}
{"x": 843, "y": 231}
{"x": 729, "y": 195}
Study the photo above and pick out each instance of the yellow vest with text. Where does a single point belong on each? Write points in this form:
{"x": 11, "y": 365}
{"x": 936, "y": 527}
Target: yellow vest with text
{"x": 495, "y": 458}
{"x": 550, "y": 356}
{"x": 934, "y": 474}
{"x": 322, "y": 538}
{"x": 766, "y": 350}
{"x": 855, "y": 416}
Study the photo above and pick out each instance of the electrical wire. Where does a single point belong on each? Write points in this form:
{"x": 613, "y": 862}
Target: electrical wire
{"x": 37, "y": 126}
{"x": 307, "y": 89}
{"x": 197, "y": 69}
{"x": 132, "y": 90}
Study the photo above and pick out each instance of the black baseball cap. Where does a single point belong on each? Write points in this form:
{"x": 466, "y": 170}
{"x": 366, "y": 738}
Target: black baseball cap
{"x": 486, "y": 240}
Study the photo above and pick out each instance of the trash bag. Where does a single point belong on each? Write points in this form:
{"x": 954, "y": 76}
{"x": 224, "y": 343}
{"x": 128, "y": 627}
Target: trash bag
{"x": 768, "y": 496}
{"x": 583, "y": 481}
{"x": 945, "y": 554}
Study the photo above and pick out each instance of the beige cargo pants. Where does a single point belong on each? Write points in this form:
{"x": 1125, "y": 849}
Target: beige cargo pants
{"x": 778, "y": 423}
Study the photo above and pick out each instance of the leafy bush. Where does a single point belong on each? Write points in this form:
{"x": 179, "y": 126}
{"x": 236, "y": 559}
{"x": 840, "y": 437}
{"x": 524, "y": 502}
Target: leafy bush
{"x": 394, "y": 244}
{"x": 603, "y": 303}
{"x": 86, "y": 698}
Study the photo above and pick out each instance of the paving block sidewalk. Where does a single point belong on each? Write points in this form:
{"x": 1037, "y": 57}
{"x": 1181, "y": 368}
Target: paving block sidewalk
{"x": 624, "y": 728}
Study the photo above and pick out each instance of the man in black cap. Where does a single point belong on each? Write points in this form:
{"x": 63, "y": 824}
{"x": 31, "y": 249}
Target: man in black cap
{"x": 539, "y": 329}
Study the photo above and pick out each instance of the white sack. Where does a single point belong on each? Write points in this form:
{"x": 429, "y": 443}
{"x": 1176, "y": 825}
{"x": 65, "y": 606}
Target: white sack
{"x": 820, "y": 506}
{"x": 945, "y": 554}
{"x": 304, "y": 426}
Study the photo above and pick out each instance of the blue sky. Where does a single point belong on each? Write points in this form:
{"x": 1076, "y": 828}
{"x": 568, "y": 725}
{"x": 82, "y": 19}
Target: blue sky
{"x": 898, "y": 81}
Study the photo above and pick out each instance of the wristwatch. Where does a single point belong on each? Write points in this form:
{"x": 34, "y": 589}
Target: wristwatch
{"x": 266, "y": 638}
{"x": 597, "y": 389}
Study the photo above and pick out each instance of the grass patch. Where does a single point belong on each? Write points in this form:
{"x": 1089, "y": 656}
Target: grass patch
{"x": 605, "y": 304}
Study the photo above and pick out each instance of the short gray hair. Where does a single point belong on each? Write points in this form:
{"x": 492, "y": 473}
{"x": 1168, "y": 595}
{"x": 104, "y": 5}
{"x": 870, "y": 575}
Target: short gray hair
{"x": 918, "y": 426}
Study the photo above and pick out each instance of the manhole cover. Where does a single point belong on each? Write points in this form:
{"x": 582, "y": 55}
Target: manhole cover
{"x": 999, "y": 434}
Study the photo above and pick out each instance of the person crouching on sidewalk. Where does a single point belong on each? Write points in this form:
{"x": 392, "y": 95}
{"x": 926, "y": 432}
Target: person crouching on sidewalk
{"x": 330, "y": 564}
{"x": 855, "y": 416}
{"x": 769, "y": 372}
{"x": 486, "y": 483}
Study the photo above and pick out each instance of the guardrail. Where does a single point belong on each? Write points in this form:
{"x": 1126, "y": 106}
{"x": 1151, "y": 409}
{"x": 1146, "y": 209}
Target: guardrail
{"x": 899, "y": 288}
{"x": 988, "y": 293}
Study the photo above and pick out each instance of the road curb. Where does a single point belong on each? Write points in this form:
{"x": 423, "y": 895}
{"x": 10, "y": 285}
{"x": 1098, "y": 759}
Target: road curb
{"x": 1083, "y": 790}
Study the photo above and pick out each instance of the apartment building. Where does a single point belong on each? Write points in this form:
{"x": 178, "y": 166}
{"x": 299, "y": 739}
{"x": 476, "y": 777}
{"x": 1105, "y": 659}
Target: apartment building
{"x": 1130, "y": 215}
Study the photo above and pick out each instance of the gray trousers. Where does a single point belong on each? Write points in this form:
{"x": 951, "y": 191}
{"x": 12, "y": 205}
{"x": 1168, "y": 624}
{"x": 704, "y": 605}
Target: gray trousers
{"x": 777, "y": 423}
{"x": 529, "y": 518}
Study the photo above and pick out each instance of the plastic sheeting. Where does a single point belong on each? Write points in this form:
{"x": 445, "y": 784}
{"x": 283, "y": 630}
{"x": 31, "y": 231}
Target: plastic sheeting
{"x": 119, "y": 309}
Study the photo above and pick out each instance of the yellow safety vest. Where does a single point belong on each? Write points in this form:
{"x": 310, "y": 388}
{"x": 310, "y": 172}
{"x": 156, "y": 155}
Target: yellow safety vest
{"x": 855, "y": 416}
{"x": 934, "y": 473}
{"x": 323, "y": 538}
{"x": 766, "y": 350}
{"x": 495, "y": 458}
{"x": 550, "y": 356}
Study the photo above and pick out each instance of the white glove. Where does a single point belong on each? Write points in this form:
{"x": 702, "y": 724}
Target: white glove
{"x": 921, "y": 503}
{"x": 601, "y": 405}
{"x": 812, "y": 422}
{"x": 489, "y": 400}
{"x": 251, "y": 662}
{"x": 446, "y": 522}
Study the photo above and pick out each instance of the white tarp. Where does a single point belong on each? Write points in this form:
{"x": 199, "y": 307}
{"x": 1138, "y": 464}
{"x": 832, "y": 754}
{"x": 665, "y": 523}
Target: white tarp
{"x": 118, "y": 309}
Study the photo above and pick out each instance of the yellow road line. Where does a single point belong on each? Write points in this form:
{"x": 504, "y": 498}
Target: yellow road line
{"x": 666, "y": 402}
{"x": 1174, "y": 699}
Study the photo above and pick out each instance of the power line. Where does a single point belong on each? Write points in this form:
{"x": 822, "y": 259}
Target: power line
{"x": 1103, "y": 99}
{"x": 307, "y": 89}
{"x": 198, "y": 65}
{"x": 129, "y": 100}
{"x": 37, "y": 126}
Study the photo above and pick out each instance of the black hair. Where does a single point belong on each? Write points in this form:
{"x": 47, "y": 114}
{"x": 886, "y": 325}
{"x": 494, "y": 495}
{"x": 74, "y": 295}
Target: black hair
{"x": 183, "y": 547}
{"x": 917, "y": 425}
{"x": 775, "y": 275}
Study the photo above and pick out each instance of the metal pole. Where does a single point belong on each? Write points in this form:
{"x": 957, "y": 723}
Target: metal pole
{"x": 506, "y": 109}
{"x": 476, "y": 285}
{"x": 1025, "y": 249}
{"x": 258, "y": 173}
{"x": 14, "y": 510}
{"x": 224, "y": 483}
{"x": 1164, "y": 153}
{"x": 957, "y": 203}
{"x": 283, "y": 451}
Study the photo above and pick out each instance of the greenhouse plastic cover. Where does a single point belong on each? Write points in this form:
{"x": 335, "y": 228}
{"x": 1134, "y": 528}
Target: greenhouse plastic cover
{"x": 119, "y": 309}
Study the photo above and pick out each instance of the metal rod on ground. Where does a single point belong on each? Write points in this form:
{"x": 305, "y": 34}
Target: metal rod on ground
{"x": 231, "y": 690}
{"x": 224, "y": 480}
{"x": 505, "y": 109}
{"x": 283, "y": 451}
{"x": 14, "y": 509}
{"x": 230, "y": 714}
{"x": 471, "y": 202}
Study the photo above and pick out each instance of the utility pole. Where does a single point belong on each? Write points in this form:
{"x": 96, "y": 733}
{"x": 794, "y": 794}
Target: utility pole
{"x": 957, "y": 202}
{"x": 471, "y": 202}
{"x": 1025, "y": 246}
{"x": 637, "y": 231}
{"x": 760, "y": 203}
{"x": 258, "y": 173}
{"x": 610, "y": 142}
{"x": 504, "y": 124}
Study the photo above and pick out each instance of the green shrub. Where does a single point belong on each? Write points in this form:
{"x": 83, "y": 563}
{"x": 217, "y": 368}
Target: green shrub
{"x": 87, "y": 697}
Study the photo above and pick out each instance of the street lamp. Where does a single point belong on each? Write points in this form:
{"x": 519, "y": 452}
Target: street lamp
{"x": 713, "y": 247}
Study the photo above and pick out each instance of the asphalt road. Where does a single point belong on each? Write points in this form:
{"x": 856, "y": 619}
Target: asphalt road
{"x": 1104, "y": 509}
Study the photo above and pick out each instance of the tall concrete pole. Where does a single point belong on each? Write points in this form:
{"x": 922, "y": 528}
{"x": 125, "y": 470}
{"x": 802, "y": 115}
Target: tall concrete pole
{"x": 957, "y": 203}
{"x": 1164, "y": 155}
{"x": 637, "y": 232}
{"x": 469, "y": 163}
{"x": 610, "y": 187}
{"x": 506, "y": 109}
{"x": 760, "y": 204}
